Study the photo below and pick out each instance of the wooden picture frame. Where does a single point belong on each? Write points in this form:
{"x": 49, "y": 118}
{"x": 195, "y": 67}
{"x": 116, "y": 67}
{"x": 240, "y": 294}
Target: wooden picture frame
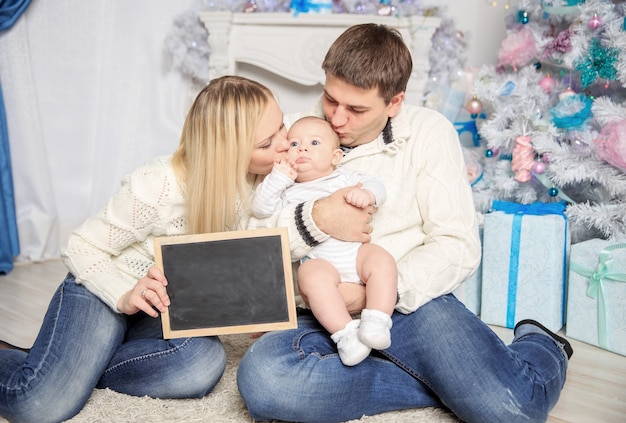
{"x": 227, "y": 282}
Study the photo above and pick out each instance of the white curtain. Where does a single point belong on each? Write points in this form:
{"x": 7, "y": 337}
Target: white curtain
{"x": 87, "y": 99}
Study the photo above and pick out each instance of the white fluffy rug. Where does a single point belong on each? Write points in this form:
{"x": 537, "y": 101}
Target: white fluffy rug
{"x": 222, "y": 405}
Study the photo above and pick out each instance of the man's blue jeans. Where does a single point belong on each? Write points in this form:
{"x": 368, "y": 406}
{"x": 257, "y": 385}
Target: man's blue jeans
{"x": 84, "y": 344}
{"x": 441, "y": 355}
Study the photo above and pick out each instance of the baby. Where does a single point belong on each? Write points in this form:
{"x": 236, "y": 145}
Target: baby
{"x": 309, "y": 172}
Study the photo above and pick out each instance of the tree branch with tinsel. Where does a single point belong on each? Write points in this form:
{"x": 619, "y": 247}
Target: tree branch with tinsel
{"x": 609, "y": 219}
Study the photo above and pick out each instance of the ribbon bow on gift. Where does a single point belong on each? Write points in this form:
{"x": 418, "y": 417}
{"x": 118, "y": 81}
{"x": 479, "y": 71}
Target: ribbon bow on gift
{"x": 595, "y": 290}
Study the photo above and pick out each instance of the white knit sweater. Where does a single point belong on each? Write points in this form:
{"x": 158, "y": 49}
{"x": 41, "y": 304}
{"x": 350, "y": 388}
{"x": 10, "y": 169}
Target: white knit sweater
{"x": 111, "y": 250}
{"x": 428, "y": 222}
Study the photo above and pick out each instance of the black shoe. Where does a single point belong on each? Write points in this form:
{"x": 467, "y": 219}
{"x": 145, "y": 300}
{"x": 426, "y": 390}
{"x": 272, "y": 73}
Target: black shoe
{"x": 566, "y": 345}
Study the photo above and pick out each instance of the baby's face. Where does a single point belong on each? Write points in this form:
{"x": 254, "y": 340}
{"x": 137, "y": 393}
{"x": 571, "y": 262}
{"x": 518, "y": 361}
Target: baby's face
{"x": 313, "y": 149}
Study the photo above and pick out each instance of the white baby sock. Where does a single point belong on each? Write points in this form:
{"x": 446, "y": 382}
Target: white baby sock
{"x": 374, "y": 330}
{"x": 351, "y": 350}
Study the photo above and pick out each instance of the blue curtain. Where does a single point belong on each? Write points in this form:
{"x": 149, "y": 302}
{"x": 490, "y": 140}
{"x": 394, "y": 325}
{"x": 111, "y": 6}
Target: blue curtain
{"x": 10, "y": 11}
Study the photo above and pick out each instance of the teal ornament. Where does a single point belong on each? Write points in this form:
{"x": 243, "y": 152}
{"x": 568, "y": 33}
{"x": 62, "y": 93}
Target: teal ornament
{"x": 599, "y": 63}
{"x": 522, "y": 17}
{"x": 489, "y": 153}
{"x": 553, "y": 192}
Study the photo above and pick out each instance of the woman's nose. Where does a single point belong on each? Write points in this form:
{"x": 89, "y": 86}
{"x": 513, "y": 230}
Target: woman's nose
{"x": 283, "y": 145}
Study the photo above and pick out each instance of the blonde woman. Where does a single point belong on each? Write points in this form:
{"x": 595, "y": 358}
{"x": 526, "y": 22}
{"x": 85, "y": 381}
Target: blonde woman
{"x": 102, "y": 328}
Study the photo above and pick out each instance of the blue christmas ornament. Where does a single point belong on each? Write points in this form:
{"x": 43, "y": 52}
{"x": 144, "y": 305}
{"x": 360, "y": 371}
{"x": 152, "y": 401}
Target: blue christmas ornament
{"x": 507, "y": 88}
{"x": 553, "y": 192}
{"x": 522, "y": 17}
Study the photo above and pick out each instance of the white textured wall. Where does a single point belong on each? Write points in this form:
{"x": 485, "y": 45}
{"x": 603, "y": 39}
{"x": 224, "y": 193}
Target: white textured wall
{"x": 483, "y": 25}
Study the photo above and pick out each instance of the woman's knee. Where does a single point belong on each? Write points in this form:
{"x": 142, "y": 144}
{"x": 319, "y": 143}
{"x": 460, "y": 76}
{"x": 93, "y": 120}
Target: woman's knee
{"x": 37, "y": 406}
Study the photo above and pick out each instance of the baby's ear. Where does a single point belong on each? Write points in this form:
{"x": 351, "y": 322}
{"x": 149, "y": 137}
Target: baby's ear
{"x": 337, "y": 156}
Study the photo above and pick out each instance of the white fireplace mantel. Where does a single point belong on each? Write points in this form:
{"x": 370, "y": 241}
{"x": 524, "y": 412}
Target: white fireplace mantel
{"x": 293, "y": 47}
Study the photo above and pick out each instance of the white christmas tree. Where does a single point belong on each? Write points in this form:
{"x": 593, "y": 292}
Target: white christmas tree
{"x": 552, "y": 114}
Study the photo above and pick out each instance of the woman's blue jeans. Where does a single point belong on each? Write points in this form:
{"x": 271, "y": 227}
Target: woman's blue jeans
{"x": 83, "y": 344}
{"x": 441, "y": 355}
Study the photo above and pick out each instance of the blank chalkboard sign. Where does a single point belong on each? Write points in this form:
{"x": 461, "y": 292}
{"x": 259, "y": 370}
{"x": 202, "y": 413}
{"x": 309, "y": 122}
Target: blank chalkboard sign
{"x": 227, "y": 282}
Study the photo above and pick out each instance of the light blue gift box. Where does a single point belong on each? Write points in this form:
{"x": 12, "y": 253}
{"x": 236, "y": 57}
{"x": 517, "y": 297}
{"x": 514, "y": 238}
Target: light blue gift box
{"x": 524, "y": 267}
{"x": 469, "y": 292}
{"x": 596, "y": 299}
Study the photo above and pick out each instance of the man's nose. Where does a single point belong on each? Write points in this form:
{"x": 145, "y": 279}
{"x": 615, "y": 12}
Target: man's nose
{"x": 338, "y": 118}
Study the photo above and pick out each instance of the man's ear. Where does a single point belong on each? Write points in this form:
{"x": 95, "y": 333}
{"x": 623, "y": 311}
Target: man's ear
{"x": 337, "y": 155}
{"x": 394, "y": 105}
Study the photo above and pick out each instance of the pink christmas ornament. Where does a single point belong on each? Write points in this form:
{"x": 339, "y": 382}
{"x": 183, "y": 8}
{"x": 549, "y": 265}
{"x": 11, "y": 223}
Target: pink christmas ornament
{"x": 595, "y": 22}
{"x": 523, "y": 158}
{"x": 539, "y": 168}
{"x": 474, "y": 106}
{"x": 611, "y": 146}
{"x": 547, "y": 84}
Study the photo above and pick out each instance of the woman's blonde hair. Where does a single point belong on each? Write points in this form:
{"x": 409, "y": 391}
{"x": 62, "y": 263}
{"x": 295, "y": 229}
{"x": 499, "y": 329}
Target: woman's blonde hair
{"x": 214, "y": 153}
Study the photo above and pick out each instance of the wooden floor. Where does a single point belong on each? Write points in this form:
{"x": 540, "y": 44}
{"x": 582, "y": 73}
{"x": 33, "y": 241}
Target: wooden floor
{"x": 595, "y": 391}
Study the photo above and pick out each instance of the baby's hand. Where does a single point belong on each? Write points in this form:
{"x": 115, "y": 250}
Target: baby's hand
{"x": 286, "y": 169}
{"x": 360, "y": 197}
